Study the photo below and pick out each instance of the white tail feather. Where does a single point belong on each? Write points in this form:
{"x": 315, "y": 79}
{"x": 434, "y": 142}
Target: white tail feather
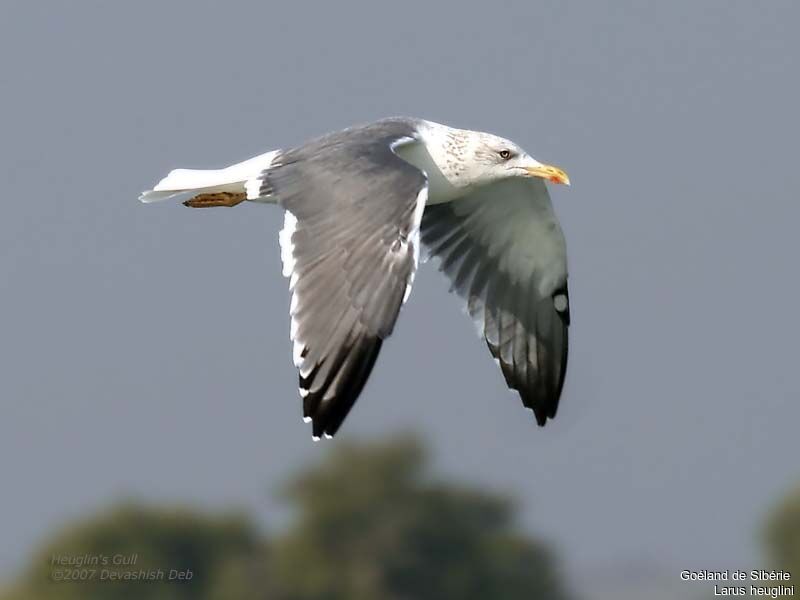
{"x": 229, "y": 179}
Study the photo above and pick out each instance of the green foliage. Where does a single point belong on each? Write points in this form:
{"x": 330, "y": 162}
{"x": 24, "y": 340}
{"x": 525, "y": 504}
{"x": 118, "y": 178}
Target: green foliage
{"x": 155, "y": 539}
{"x": 374, "y": 526}
{"x": 783, "y": 534}
{"x": 370, "y": 524}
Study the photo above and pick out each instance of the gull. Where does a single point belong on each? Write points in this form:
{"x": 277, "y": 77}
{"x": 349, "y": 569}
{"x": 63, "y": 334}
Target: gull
{"x": 360, "y": 203}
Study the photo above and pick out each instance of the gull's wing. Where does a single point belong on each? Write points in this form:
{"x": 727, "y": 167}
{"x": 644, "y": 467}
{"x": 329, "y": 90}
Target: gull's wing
{"x": 504, "y": 252}
{"x": 350, "y": 244}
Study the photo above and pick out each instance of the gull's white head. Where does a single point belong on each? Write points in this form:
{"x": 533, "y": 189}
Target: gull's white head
{"x": 491, "y": 158}
{"x": 469, "y": 158}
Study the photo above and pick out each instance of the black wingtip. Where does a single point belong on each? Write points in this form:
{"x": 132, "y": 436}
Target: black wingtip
{"x": 342, "y": 388}
{"x": 543, "y": 412}
{"x": 541, "y": 417}
{"x": 542, "y": 401}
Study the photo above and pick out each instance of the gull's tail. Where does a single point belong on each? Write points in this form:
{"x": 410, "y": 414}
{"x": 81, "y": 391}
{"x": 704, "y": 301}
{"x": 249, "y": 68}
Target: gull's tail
{"x": 201, "y": 181}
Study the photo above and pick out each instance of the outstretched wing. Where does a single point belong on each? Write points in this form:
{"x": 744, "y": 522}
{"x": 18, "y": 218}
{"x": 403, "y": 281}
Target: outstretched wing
{"x": 504, "y": 252}
{"x": 350, "y": 245}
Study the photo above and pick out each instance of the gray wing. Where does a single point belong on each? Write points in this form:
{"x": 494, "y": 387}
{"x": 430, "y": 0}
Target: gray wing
{"x": 350, "y": 244}
{"x": 504, "y": 252}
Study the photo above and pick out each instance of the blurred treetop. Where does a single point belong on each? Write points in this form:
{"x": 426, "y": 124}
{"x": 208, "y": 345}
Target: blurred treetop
{"x": 783, "y": 534}
{"x": 370, "y": 524}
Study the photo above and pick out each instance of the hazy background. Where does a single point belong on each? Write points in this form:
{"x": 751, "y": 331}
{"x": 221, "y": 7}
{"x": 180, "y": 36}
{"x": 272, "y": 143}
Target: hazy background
{"x": 144, "y": 349}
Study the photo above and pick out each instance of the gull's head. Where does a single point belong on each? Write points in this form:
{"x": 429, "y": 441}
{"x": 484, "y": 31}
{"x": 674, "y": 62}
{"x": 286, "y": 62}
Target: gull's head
{"x": 494, "y": 158}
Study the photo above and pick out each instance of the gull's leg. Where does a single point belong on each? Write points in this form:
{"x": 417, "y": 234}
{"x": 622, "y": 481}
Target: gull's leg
{"x": 216, "y": 199}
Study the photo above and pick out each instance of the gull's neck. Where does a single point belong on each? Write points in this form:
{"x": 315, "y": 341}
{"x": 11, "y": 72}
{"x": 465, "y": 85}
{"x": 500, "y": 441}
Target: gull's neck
{"x": 441, "y": 155}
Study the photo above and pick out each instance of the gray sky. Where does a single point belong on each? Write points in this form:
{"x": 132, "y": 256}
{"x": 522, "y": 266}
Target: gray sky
{"x": 144, "y": 349}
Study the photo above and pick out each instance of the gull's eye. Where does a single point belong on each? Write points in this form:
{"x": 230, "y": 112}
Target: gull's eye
{"x": 505, "y": 154}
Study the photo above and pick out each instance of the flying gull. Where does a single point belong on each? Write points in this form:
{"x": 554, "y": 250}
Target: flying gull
{"x": 358, "y": 205}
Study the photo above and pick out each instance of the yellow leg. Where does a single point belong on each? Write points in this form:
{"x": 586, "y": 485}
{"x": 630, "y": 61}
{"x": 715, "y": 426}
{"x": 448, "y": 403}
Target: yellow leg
{"x": 216, "y": 199}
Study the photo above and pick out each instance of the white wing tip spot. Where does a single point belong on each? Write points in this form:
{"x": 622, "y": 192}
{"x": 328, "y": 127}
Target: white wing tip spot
{"x": 560, "y": 302}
